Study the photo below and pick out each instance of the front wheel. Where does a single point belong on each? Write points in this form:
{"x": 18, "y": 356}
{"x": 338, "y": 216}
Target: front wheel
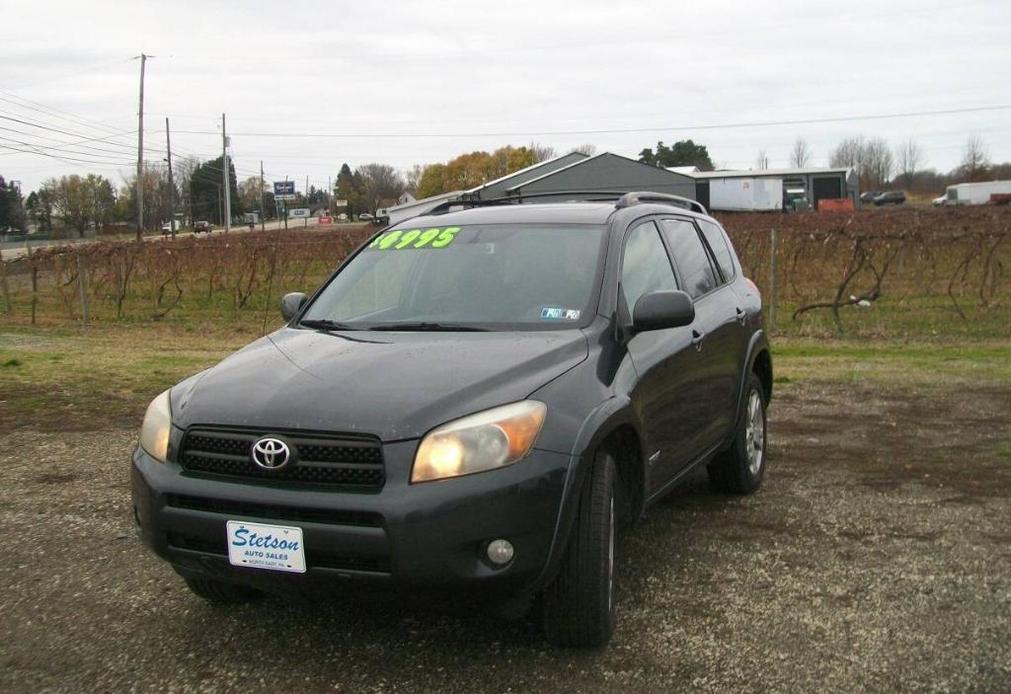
{"x": 579, "y": 605}
{"x": 740, "y": 468}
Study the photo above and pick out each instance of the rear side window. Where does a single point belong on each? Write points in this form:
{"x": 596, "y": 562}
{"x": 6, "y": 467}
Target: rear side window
{"x": 718, "y": 244}
{"x": 645, "y": 267}
{"x": 690, "y": 255}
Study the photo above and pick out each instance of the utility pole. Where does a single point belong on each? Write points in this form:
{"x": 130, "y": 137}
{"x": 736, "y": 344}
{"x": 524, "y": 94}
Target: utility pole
{"x": 262, "y": 227}
{"x": 286, "y": 204}
{"x": 329, "y": 196}
{"x": 140, "y": 152}
{"x": 171, "y": 185}
{"x": 305, "y": 221}
{"x": 224, "y": 174}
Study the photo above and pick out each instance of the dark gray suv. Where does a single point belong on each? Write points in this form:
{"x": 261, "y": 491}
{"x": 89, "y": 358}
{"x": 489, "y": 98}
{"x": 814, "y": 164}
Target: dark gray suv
{"x": 476, "y": 400}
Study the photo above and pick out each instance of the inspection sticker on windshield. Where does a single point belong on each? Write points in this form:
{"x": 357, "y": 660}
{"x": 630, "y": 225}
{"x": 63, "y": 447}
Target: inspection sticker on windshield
{"x": 558, "y": 313}
{"x": 273, "y": 547}
{"x": 404, "y": 239}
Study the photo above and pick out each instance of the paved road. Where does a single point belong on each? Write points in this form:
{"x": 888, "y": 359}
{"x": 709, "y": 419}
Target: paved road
{"x": 877, "y": 556}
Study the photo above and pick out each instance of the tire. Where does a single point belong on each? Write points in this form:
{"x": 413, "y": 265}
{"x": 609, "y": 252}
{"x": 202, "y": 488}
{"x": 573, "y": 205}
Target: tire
{"x": 579, "y": 604}
{"x": 739, "y": 469}
{"x": 222, "y": 593}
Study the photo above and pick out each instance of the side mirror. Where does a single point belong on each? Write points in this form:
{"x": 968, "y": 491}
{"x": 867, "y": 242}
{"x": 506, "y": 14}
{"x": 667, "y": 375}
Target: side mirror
{"x": 661, "y": 310}
{"x": 291, "y": 303}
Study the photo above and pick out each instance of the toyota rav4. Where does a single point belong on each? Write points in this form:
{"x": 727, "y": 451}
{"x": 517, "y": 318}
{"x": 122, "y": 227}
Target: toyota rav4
{"x": 478, "y": 398}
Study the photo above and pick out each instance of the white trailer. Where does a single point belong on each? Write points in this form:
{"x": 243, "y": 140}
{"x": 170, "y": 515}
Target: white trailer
{"x": 746, "y": 194}
{"x": 975, "y": 193}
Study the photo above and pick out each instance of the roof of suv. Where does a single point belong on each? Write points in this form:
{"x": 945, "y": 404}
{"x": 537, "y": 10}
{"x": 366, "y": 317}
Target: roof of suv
{"x": 532, "y": 213}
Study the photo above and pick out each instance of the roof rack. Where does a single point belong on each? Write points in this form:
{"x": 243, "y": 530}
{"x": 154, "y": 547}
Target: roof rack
{"x": 574, "y": 195}
{"x": 629, "y": 199}
{"x": 623, "y": 199}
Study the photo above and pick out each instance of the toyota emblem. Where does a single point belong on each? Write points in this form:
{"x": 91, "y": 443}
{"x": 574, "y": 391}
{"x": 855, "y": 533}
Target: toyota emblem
{"x": 270, "y": 453}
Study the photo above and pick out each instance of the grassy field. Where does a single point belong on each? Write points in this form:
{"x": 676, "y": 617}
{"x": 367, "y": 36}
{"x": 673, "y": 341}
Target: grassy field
{"x": 75, "y": 379}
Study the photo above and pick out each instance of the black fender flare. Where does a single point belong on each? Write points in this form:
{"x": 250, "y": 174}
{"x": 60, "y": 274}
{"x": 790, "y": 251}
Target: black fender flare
{"x": 598, "y": 425}
{"x": 756, "y": 346}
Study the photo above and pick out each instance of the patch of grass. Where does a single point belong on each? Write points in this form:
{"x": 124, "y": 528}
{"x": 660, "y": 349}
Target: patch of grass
{"x": 98, "y": 377}
{"x": 894, "y": 362}
{"x": 1004, "y": 450}
{"x": 68, "y": 378}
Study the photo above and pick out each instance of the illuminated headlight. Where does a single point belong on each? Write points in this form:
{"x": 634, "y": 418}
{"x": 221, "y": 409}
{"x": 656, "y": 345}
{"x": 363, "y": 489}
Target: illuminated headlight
{"x": 479, "y": 442}
{"x": 154, "y": 433}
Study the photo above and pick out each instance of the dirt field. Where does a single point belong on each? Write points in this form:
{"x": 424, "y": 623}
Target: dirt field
{"x": 877, "y": 556}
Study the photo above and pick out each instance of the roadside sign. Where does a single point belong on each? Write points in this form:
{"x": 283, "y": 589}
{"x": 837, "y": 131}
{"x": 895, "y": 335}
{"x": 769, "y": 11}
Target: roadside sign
{"x": 340, "y": 203}
{"x": 299, "y": 212}
{"x": 285, "y": 198}
{"x": 284, "y": 188}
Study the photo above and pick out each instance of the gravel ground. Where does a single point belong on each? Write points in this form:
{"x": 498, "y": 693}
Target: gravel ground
{"x": 876, "y": 556}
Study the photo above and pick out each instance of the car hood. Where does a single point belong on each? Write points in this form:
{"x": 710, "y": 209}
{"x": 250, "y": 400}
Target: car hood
{"x": 389, "y": 384}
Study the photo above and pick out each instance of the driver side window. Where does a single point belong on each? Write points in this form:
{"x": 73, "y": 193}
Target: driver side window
{"x": 645, "y": 266}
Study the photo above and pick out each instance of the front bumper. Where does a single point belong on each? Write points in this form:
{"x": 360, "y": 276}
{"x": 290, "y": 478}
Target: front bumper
{"x": 430, "y": 535}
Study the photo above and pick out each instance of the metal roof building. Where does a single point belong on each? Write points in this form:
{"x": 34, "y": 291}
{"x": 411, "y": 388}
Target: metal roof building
{"x": 817, "y": 183}
{"x": 608, "y": 172}
{"x": 573, "y": 171}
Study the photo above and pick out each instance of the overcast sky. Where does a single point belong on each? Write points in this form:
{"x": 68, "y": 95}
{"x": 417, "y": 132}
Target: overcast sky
{"x": 405, "y": 83}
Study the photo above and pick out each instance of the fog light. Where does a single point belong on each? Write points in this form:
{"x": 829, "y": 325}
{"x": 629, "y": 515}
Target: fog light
{"x": 500, "y": 552}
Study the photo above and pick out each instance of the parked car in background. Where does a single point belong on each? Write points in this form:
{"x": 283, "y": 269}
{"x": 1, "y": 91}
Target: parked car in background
{"x": 868, "y": 196}
{"x": 892, "y": 197}
{"x": 365, "y": 217}
{"x": 166, "y": 228}
{"x": 476, "y": 401}
{"x": 939, "y": 201}
{"x": 202, "y": 226}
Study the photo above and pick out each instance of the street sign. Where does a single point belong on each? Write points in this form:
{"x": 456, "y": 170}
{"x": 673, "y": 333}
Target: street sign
{"x": 299, "y": 212}
{"x": 285, "y": 198}
{"x": 284, "y": 188}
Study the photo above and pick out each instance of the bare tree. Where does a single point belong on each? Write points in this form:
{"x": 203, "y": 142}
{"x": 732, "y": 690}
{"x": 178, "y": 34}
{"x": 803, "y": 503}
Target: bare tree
{"x": 877, "y": 163}
{"x": 975, "y": 160}
{"x": 800, "y": 155}
{"x": 849, "y": 152}
{"x": 871, "y": 159}
{"x": 379, "y": 183}
{"x": 541, "y": 152}
{"x": 413, "y": 177}
{"x": 909, "y": 159}
{"x": 587, "y": 149}
{"x": 183, "y": 169}
{"x": 762, "y": 160}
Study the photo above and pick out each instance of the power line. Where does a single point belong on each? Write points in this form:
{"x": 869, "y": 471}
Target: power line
{"x": 58, "y": 145}
{"x": 53, "y": 112}
{"x": 616, "y": 131}
{"x": 60, "y": 158}
{"x": 61, "y": 131}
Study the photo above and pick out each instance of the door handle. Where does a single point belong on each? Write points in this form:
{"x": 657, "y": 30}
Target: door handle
{"x": 742, "y": 315}
{"x": 697, "y": 336}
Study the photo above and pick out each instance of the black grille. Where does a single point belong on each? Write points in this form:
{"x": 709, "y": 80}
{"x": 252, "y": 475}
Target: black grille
{"x": 273, "y": 512}
{"x": 320, "y": 460}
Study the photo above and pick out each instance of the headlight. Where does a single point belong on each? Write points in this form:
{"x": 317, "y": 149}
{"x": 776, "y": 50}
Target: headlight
{"x": 154, "y": 433}
{"x": 484, "y": 441}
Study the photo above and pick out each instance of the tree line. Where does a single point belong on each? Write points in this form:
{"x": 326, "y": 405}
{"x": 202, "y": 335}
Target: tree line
{"x": 79, "y": 203}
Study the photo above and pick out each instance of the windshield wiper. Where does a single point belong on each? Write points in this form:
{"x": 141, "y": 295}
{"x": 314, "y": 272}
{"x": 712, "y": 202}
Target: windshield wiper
{"x": 326, "y": 324}
{"x": 429, "y": 327}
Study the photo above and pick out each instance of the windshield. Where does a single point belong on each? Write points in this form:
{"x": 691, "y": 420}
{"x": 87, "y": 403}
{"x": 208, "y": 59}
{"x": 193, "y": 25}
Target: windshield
{"x": 493, "y": 276}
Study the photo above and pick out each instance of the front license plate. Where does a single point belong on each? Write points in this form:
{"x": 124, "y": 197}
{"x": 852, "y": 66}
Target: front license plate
{"x": 272, "y": 547}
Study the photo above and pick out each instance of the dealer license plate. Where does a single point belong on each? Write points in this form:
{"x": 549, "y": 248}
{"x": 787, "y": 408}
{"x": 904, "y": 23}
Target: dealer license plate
{"x": 271, "y": 547}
